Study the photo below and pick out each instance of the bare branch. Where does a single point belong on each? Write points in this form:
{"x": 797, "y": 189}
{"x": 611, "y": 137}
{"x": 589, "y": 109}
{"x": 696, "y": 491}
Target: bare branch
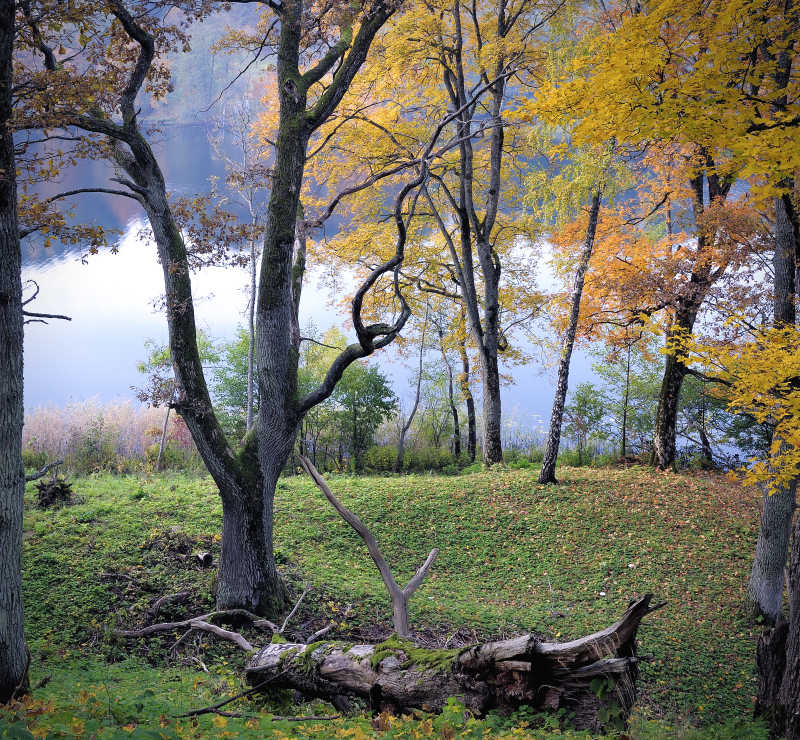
{"x": 39, "y": 317}
{"x": 289, "y": 616}
{"x": 44, "y": 471}
{"x": 233, "y": 637}
{"x": 398, "y": 596}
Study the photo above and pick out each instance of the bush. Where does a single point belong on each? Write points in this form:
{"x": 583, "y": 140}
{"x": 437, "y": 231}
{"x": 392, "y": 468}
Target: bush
{"x": 35, "y": 459}
{"x": 381, "y": 459}
{"x": 112, "y": 437}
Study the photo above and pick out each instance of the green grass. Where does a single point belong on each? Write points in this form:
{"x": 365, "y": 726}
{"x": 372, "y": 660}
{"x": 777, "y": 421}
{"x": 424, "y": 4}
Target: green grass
{"x": 515, "y": 556}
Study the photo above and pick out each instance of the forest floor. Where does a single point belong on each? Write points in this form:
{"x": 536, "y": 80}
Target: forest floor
{"x": 561, "y": 561}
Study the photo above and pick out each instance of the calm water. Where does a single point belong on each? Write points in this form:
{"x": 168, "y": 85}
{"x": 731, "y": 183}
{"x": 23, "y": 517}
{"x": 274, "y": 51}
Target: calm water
{"x": 111, "y": 297}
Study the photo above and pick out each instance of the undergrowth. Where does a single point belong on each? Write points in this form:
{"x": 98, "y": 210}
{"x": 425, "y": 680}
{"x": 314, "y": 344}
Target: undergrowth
{"x": 561, "y": 561}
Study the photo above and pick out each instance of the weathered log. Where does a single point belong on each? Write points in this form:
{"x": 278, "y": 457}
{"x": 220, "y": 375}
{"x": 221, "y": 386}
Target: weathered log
{"x": 593, "y": 678}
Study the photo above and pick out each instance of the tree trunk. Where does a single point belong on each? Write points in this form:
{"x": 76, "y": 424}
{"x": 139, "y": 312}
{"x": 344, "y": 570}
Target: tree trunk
{"x": 163, "y": 439}
{"x": 13, "y": 652}
{"x": 466, "y": 391}
{"x": 248, "y": 577}
{"x": 626, "y": 396}
{"x": 765, "y": 588}
{"x": 790, "y": 689}
{"x": 251, "y": 336}
{"x": 668, "y": 398}
{"x": 492, "y": 414}
{"x": 593, "y": 678}
{"x": 401, "y": 443}
{"x": 770, "y": 666}
{"x": 451, "y": 396}
{"x": 548, "y": 472}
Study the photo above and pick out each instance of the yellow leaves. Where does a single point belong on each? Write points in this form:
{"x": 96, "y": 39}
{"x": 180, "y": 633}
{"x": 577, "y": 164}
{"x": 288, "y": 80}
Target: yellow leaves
{"x": 219, "y": 722}
{"x": 763, "y": 377}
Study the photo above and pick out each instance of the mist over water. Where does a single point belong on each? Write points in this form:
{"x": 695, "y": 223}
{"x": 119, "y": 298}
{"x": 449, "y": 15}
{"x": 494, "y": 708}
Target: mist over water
{"x": 113, "y": 300}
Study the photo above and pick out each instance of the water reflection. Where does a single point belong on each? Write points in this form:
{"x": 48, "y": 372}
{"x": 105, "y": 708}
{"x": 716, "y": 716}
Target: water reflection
{"x": 110, "y": 298}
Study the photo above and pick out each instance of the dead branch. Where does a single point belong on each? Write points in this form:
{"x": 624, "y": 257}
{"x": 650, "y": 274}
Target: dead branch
{"x": 399, "y": 596}
{"x": 289, "y": 616}
{"x": 152, "y": 613}
{"x": 44, "y": 471}
{"x": 233, "y": 614}
{"x": 214, "y": 707}
{"x": 233, "y": 637}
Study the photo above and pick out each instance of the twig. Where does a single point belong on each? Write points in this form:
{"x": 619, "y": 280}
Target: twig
{"x": 169, "y": 626}
{"x": 308, "y": 718}
{"x": 180, "y": 640}
{"x": 289, "y": 616}
{"x": 156, "y": 607}
{"x": 214, "y": 707}
{"x": 320, "y": 633}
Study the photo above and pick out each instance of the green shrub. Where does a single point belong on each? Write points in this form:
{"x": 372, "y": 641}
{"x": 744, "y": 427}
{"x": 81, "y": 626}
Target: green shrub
{"x": 36, "y": 459}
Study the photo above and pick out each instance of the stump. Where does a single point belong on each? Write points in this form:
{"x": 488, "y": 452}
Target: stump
{"x": 593, "y": 678}
{"x": 56, "y": 492}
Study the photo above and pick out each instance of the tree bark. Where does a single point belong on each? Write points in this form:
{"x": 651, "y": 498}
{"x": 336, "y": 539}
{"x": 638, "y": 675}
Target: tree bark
{"x": 765, "y": 588}
{"x": 625, "y": 401}
{"x": 685, "y": 312}
{"x": 667, "y": 414}
{"x": 466, "y": 391}
{"x": 583, "y": 677}
{"x": 548, "y": 472}
{"x": 163, "y": 439}
{"x": 13, "y": 652}
{"x": 790, "y": 688}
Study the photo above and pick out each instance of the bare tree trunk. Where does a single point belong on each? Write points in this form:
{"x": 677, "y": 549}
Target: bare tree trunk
{"x": 668, "y": 398}
{"x": 548, "y": 472}
{"x": 492, "y": 412}
{"x": 625, "y": 400}
{"x": 13, "y": 652}
{"x": 790, "y": 689}
{"x": 401, "y": 443}
{"x": 163, "y": 439}
{"x": 685, "y": 313}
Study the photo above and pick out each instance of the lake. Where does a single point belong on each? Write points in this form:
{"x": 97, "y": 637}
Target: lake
{"x": 110, "y": 298}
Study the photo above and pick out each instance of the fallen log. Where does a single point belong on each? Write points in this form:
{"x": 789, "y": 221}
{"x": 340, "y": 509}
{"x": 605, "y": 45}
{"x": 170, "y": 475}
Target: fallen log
{"x": 593, "y": 678}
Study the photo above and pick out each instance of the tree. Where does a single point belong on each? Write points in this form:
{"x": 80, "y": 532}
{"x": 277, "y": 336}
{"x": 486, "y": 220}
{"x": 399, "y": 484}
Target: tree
{"x": 365, "y": 400}
{"x": 97, "y": 92}
{"x": 408, "y": 420}
{"x": 632, "y": 379}
{"x": 161, "y": 387}
{"x": 584, "y": 416}
{"x": 657, "y": 99}
{"x": 548, "y": 471}
{"x": 467, "y": 244}
{"x": 13, "y": 651}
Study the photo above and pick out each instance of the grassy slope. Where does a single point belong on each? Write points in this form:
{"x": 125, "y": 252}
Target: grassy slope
{"x": 515, "y": 556}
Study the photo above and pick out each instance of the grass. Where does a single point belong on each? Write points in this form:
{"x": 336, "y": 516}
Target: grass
{"x": 515, "y": 556}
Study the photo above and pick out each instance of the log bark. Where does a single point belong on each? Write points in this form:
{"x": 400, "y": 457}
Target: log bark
{"x": 13, "y": 653}
{"x": 592, "y": 678}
